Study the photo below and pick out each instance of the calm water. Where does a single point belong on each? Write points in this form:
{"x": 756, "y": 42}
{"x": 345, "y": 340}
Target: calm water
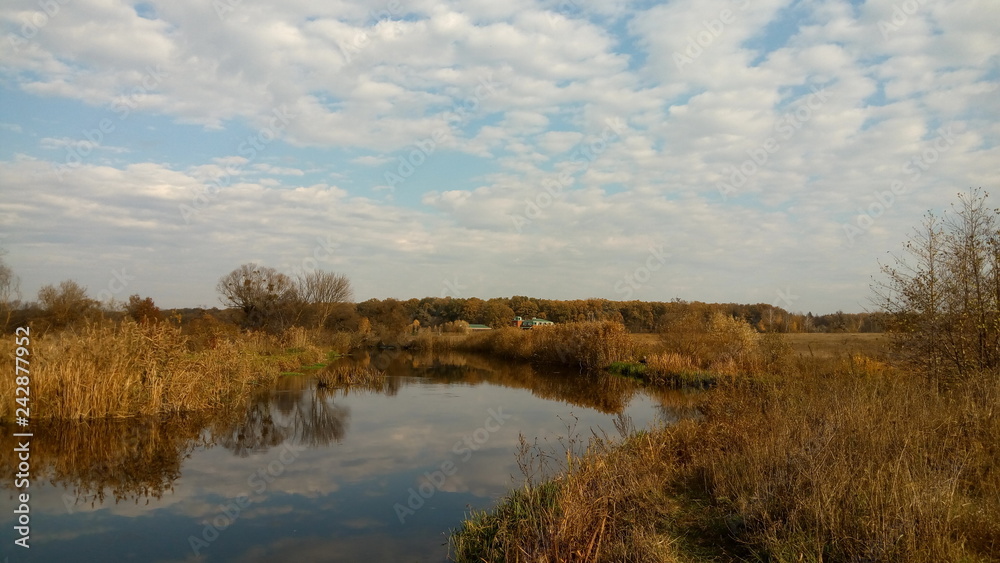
{"x": 310, "y": 474}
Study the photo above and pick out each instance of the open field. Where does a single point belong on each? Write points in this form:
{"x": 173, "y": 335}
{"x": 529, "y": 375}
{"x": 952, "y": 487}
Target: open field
{"x": 831, "y": 345}
{"x": 817, "y": 344}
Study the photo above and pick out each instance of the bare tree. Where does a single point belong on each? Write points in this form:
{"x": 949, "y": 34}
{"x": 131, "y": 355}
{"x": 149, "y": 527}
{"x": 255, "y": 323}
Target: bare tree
{"x": 9, "y": 292}
{"x": 943, "y": 296}
{"x": 268, "y": 298}
{"x": 323, "y": 291}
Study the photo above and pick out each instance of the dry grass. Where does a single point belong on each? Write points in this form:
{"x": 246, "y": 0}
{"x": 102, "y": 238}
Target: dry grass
{"x": 589, "y": 345}
{"x": 841, "y": 460}
{"x": 129, "y": 369}
{"x": 342, "y": 376}
{"x": 722, "y": 347}
{"x": 609, "y": 504}
{"x": 869, "y": 466}
{"x": 832, "y": 345}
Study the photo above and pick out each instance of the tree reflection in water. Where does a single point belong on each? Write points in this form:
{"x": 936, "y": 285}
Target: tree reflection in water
{"x": 297, "y": 416}
{"x": 132, "y": 459}
{"x": 141, "y": 458}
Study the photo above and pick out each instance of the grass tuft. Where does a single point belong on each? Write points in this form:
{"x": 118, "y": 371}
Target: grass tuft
{"x": 345, "y": 376}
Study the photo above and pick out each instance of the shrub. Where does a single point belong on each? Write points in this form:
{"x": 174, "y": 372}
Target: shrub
{"x": 66, "y": 304}
{"x": 461, "y": 327}
{"x": 589, "y": 345}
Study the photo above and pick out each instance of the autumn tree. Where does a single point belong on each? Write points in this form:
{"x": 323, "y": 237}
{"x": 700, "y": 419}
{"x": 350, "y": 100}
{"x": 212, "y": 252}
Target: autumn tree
{"x": 268, "y": 298}
{"x": 143, "y": 311}
{"x": 66, "y": 304}
{"x": 496, "y": 313}
{"x": 389, "y": 317}
{"x": 942, "y": 296}
{"x": 524, "y": 307}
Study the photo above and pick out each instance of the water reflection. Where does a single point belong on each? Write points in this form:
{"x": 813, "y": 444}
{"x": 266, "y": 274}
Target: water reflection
{"x": 602, "y": 391}
{"x": 108, "y": 459}
{"x": 359, "y": 452}
{"x": 288, "y": 414}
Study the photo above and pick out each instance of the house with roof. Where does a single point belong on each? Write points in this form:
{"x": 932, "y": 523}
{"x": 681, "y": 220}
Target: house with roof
{"x": 532, "y": 323}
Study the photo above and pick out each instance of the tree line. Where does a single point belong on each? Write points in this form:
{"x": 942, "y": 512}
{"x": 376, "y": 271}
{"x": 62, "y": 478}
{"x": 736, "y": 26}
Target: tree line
{"x": 940, "y": 298}
{"x": 262, "y": 298}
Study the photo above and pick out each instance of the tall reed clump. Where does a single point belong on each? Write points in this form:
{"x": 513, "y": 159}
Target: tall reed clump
{"x": 701, "y": 351}
{"x": 860, "y": 467}
{"x": 589, "y": 345}
{"x": 130, "y": 369}
{"x": 350, "y": 375}
{"x": 862, "y": 464}
{"x": 607, "y": 505}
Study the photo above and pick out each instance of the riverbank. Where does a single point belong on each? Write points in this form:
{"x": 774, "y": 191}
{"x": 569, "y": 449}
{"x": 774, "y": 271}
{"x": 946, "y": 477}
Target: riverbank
{"x": 842, "y": 459}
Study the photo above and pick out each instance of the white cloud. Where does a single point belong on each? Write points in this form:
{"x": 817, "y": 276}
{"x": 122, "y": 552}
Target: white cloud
{"x": 372, "y": 160}
{"x": 80, "y": 145}
{"x": 527, "y": 89}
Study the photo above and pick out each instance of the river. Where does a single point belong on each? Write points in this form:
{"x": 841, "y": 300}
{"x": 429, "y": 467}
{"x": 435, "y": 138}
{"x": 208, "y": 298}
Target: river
{"x": 314, "y": 474}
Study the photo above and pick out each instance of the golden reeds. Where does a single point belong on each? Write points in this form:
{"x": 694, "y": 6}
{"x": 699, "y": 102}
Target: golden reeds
{"x": 341, "y": 376}
{"x": 131, "y": 369}
{"x": 589, "y": 345}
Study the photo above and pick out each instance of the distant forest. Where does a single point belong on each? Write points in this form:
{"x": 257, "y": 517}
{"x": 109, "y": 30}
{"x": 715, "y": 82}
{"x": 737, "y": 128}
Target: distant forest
{"x": 392, "y": 315}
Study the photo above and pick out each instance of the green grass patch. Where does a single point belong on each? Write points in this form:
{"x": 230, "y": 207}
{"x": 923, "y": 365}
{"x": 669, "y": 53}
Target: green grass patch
{"x": 628, "y": 369}
{"x": 696, "y": 379}
{"x": 489, "y": 535}
{"x": 317, "y": 365}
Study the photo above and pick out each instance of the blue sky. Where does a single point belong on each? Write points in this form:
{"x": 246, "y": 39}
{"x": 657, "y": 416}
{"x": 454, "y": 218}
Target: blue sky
{"x": 725, "y": 150}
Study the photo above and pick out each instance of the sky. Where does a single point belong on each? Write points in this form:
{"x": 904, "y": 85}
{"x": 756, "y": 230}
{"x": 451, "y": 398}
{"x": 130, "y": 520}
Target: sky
{"x": 750, "y": 151}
